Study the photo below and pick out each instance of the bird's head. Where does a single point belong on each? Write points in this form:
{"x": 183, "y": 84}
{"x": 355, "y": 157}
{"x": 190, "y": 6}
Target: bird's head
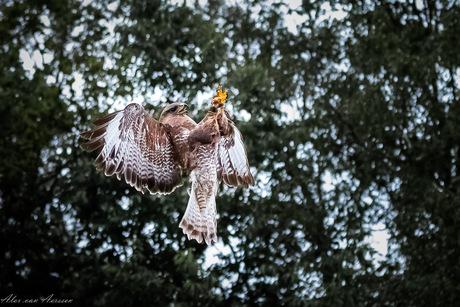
{"x": 174, "y": 109}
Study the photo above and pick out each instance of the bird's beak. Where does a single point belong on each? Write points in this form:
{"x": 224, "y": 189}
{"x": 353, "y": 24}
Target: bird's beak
{"x": 184, "y": 107}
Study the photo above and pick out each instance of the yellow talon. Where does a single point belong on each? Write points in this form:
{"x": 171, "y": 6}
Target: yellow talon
{"x": 220, "y": 97}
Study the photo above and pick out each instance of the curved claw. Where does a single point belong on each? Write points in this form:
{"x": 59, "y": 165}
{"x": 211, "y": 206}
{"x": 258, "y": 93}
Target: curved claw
{"x": 220, "y": 98}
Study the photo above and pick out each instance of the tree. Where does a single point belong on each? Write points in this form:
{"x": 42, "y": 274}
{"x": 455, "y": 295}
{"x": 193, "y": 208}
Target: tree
{"x": 349, "y": 121}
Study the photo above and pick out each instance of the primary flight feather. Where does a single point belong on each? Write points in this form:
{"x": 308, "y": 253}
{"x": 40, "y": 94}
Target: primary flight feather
{"x": 154, "y": 156}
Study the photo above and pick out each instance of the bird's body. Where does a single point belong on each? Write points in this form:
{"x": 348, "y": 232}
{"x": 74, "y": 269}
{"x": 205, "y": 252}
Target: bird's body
{"x": 154, "y": 155}
{"x": 197, "y": 144}
{"x": 179, "y": 128}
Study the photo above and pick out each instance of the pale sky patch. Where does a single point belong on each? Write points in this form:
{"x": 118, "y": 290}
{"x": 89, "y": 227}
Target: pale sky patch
{"x": 45, "y": 20}
{"x": 212, "y": 254}
{"x": 457, "y": 78}
{"x": 28, "y": 62}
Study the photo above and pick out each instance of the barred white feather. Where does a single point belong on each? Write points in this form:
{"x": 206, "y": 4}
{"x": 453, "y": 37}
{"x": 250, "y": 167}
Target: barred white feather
{"x": 233, "y": 161}
{"x": 200, "y": 218}
{"x": 137, "y": 147}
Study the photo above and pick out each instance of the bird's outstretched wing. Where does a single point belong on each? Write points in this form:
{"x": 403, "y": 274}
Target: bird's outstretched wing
{"x": 136, "y": 146}
{"x": 232, "y": 166}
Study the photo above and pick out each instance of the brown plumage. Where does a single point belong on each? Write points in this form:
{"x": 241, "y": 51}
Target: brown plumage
{"x": 154, "y": 156}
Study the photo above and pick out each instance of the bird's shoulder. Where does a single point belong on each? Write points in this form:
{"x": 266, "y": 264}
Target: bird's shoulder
{"x": 181, "y": 121}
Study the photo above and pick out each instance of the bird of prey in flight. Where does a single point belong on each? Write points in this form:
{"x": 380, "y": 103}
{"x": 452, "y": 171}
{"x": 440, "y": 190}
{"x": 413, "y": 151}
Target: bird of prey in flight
{"x": 154, "y": 155}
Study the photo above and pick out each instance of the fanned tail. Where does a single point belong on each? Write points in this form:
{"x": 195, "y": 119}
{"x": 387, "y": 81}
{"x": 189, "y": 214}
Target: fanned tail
{"x": 200, "y": 218}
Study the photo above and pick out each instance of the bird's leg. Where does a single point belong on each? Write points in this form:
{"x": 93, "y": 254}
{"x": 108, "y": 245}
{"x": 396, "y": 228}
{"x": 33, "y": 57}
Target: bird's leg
{"x": 218, "y": 104}
{"x": 217, "y": 111}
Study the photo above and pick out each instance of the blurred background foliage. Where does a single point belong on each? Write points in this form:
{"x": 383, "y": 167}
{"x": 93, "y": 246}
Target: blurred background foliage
{"x": 350, "y": 112}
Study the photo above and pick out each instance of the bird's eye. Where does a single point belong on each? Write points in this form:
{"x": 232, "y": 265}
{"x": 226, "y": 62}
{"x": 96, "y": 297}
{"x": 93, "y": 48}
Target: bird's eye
{"x": 173, "y": 109}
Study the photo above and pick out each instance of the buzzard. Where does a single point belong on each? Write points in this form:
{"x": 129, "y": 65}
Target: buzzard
{"x": 154, "y": 156}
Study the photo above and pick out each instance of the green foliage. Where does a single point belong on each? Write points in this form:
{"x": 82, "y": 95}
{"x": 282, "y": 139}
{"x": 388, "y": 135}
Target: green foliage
{"x": 350, "y": 123}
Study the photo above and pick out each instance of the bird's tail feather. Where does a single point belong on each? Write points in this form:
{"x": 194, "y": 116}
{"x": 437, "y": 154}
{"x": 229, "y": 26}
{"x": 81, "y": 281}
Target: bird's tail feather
{"x": 200, "y": 218}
